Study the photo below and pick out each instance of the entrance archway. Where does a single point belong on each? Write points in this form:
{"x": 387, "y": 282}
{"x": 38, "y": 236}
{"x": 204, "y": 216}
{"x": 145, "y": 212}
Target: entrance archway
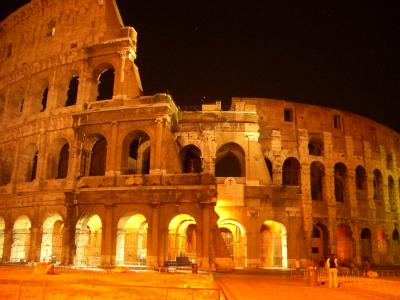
{"x": 366, "y": 245}
{"x": 273, "y": 245}
{"x": 132, "y": 240}
{"x": 51, "y": 247}
{"x": 344, "y": 243}
{"x": 382, "y": 246}
{"x": 2, "y": 230}
{"x": 21, "y": 240}
{"x": 88, "y": 241}
{"x": 234, "y": 236}
{"x": 319, "y": 242}
{"x": 182, "y": 237}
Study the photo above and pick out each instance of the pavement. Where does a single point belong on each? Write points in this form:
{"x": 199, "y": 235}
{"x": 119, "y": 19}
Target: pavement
{"x": 282, "y": 285}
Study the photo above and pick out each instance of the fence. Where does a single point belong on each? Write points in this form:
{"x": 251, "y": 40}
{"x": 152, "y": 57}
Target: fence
{"x": 53, "y": 290}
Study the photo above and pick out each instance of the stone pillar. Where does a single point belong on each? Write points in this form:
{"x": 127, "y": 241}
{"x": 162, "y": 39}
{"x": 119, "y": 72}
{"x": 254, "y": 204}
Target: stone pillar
{"x": 111, "y": 167}
{"x": 108, "y": 242}
{"x": 68, "y": 243}
{"x": 34, "y": 251}
{"x": 8, "y": 239}
{"x": 42, "y": 156}
{"x": 253, "y": 244}
{"x": 157, "y": 154}
{"x": 204, "y": 261}
{"x": 357, "y": 243}
{"x": 306, "y": 204}
{"x": 153, "y": 238}
{"x": 15, "y": 170}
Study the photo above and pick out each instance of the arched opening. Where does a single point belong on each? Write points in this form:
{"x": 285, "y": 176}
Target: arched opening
{"x": 392, "y": 194}
{"x": 340, "y": 174}
{"x": 15, "y": 107}
{"x": 361, "y": 183}
{"x": 88, "y": 241}
{"x": 344, "y": 243}
{"x": 378, "y": 185}
{"x": 136, "y": 153}
{"x": 234, "y": 236}
{"x": 315, "y": 146}
{"x": 317, "y": 172}
{"x": 72, "y": 93}
{"x": 268, "y": 163}
{"x": 291, "y": 172}
{"x": 230, "y": 161}
{"x": 319, "y": 242}
{"x": 2, "y": 106}
{"x": 105, "y": 86}
{"x": 21, "y": 240}
{"x": 273, "y": 245}
{"x": 52, "y": 234}
{"x": 98, "y": 158}
{"x": 28, "y": 164}
{"x": 2, "y": 232}
{"x": 382, "y": 246}
{"x": 6, "y": 166}
{"x": 396, "y": 246}
{"x": 182, "y": 240}
{"x": 132, "y": 240}
{"x": 366, "y": 245}
{"x": 62, "y": 170}
{"x": 45, "y": 94}
{"x": 190, "y": 157}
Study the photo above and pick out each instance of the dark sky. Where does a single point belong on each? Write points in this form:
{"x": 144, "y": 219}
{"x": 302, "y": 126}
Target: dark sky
{"x": 341, "y": 54}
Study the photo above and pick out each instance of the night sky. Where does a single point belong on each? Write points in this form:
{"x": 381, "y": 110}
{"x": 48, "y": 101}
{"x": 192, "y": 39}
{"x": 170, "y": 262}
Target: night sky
{"x": 343, "y": 54}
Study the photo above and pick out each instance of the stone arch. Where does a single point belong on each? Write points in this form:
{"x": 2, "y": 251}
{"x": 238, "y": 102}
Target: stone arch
{"x": 98, "y": 156}
{"x": 21, "y": 239}
{"x": 361, "y": 183}
{"x": 52, "y": 237}
{"x": 72, "y": 93}
{"x": 230, "y": 161}
{"x": 105, "y": 75}
{"x": 2, "y": 106}
{"x": 182, "y": 238}
{"x": 344, "y": 243}
{"x": 190, "y": 156}
{"x": 136, "y": 153}
{"x": 2, "y": 233}
{"x": 315, "y": 146}
{"x": 392, "y": 193}
{"x": 28, "y": 163}
{"x": 235, "y": 238}
{"x": 396, "y": 246}
{"x": 340, "y": 176}
{"x": 291, "y": 172}
{"x": 383, "y": 245}
{"x": 88, "y": 236}
{"x": 378, "y": 185}
{"x": 6, "y": 165}
{"x": 317, "y": 173}
{"x": 273, "y": 244}
{"x": 366, "y": 245}
{"x": 319, "y": 242}
{"x": 58, "y": 159}
{"x": 132, "y": 240}
{"x": 16, "y": 104}
{"x": 268, "y": 163}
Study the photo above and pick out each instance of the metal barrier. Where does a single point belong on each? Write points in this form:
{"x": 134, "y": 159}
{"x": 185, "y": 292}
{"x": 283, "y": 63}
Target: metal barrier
{"x": 54, "y": 290}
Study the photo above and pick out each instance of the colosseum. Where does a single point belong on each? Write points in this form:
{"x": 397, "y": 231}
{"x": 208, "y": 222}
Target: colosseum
{"x": 93, "y": 172}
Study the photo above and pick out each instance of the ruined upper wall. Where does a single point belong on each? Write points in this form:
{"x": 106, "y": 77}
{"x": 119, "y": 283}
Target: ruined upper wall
{"x": 47, "y": 28}
{"x": 317, "y": 119}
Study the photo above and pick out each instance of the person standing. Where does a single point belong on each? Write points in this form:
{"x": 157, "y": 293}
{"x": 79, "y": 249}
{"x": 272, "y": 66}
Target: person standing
{"x": 332, "y": 265}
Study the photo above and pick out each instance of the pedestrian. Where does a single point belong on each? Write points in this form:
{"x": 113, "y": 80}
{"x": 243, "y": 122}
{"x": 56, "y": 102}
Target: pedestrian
{"x": 332, "y": 266}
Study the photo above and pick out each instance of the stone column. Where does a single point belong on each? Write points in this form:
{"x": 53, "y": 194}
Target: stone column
{"x": 34, "y": 250}
{"x": 153, "y": 238}
{"x": 112, "y": 154}
{"x": 253, "y": 245}
{"x": 108, "y": 242}
{"x": 8, "y": 239}
{"x": 15, "y": 170}
{"x": 68, "y": 243}
{"x": 205, "y": 237}
{"x": 157, "y": 156}
{"x": 42, "y": 157}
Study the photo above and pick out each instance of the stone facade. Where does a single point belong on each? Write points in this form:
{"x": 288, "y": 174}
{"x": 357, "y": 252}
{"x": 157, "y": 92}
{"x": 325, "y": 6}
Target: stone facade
{"x": 93, "y": 172}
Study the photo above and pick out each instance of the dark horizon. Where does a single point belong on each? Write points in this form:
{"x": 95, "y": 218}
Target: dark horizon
{"x": 341, "y": 56}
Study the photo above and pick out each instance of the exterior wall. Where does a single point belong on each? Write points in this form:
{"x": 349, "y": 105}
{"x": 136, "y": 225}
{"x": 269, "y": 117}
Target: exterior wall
{"x": 252, "y": 130}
